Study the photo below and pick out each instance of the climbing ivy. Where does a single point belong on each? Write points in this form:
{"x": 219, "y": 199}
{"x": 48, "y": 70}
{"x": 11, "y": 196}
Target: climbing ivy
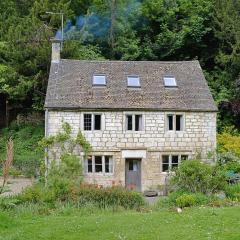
{"x": 65, "y": 143}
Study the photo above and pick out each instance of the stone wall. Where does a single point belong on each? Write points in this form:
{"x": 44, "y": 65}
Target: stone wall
{"x": 198, "y": 137}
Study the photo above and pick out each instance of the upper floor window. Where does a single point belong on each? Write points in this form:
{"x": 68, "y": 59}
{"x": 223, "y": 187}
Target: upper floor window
{"x": 169, "y": 81}
{"x": 99, "y": 80}
{"x": 133, "y": 81}
{"x": 171, "y": 161}
{"x": 134, "y": 122}
{"x": 175, "y": 122}
{"x": 92, "y": 121}
{"x": 99, "y": 164}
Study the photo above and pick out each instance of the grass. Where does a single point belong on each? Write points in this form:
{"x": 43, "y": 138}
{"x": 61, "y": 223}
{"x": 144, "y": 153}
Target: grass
{"x": 72, "y": 224}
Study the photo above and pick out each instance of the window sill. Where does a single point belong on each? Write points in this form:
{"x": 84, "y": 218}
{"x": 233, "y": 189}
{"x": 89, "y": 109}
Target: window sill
{"x": 168, "y": 173}
{"x": 98, "y": 173}
{"x": 92, "y": 130}
{"x": 174, "y": 131}
{"x": 133, "y": 131}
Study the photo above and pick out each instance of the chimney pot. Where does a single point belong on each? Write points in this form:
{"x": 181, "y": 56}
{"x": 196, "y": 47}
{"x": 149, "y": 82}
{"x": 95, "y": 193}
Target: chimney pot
{"x": 56, "y": 47}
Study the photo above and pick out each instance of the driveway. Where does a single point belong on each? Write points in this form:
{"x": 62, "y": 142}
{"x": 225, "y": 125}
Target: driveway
{"x": 16, "y": 185}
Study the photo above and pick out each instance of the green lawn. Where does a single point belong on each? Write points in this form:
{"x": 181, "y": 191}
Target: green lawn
{"x": 192, "y": 224}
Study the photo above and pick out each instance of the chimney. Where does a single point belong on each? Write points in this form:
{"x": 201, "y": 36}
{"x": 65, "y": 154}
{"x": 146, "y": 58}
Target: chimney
{"x": 56, "y": 47}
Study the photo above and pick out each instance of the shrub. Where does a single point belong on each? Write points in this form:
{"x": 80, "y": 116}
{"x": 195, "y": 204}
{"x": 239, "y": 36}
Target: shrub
{"x": 64, "y": 175}
{"x": 230, "y": 161}
{"x": 84, "y": 195}
{"x": 233, "y": 191}
{"x": 229, "y": 143}
{"x": 106, "y": 197}
{"x": 8, "y": 203}
{"x": 65, "y": 172}
{"x": 37, "y": 194}
{"x": 194, "y": 176}
{"x": 186, "y": 200}
{"x": 233, "y": 166}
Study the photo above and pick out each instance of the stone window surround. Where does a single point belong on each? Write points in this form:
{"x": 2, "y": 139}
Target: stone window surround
{"x": 92, "y": 113}
{"x": 188, "y": 153}
{"x": 125, "y": 113}
{"x": 103, "y": 164}
{"x": 174, "y": 122}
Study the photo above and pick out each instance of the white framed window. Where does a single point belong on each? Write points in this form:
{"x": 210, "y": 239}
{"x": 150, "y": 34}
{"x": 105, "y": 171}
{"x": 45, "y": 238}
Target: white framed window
{"x": 171, "y": 161}
{"x": 134, "y": 122}
{"x": 175, "y": 122}
{"x": 99, "y": 164}
{"x": 133, "y": 81}
{"x": 92, "y": 121}
{"x": 133, "y": 165}
{"x": 169, "y": 81}
{"x": 99, "y": 80}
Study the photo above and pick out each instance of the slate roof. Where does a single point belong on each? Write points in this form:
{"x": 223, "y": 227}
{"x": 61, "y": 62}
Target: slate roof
{"x": 70, "y": 86}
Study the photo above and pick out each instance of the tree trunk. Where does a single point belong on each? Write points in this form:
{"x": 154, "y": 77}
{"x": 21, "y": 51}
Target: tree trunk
{"x": 7, "y": 114}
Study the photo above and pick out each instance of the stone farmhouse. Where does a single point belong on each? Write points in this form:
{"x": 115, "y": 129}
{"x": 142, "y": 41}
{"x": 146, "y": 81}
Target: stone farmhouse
{"x": 142, "y": 118}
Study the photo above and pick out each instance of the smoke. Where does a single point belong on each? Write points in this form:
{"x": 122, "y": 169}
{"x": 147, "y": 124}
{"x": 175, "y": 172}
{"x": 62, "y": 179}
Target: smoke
{"x": 67, "y": 27}
{"x": 96, "y": 24}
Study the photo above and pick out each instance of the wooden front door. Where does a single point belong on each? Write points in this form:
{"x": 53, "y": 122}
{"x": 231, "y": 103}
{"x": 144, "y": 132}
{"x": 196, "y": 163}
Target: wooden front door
{"x": 133, "y": 174}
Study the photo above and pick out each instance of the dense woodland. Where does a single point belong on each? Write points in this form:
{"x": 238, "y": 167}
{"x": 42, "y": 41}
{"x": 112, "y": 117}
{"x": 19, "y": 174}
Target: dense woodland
{"x": 207, "y": 30}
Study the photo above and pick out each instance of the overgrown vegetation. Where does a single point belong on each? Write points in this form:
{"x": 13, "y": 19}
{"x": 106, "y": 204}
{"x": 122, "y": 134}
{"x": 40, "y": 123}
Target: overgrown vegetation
{"x": 64, "y": 168}
{"x": 196, "y": 183}
{"x": 82, "y": 196}
{"x": 64, "y": 182}
{"x": 229, "y": 143}
{"x": 27, "y": 156}
{"x": 195, "y": 176}
{"x": 233, "y": 192}
{"x": 7, "y": 164}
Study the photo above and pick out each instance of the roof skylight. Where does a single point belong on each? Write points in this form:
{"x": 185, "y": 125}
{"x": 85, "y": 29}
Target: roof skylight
{"x": 133, "y": 81}
{"x": 169, "y": 81}
{"x": 99, "y": 80}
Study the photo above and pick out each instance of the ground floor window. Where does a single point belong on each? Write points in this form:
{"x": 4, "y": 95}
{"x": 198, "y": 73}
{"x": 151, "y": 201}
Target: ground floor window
{"x": 171, "y": 161}
{"x": 99, "y": 164}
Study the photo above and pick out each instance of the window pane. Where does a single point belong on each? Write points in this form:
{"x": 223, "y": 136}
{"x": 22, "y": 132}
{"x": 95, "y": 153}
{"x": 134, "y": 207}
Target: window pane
{"x": 129, "y": 122}
{"x": 97, "y": 122}
{"x": 87, "y": 122}
{"x": 98, "y": 163}
{"x": 179, "y": 122}
{"x": 133, "y": 81}
{"x": 108, "y": 164}
{"x": 174, "y": 161}
{"x": 99, "y": 80}
{"x": 89, "y": 164}
{"x": 170, "y": 122}
{"x": 133, "y": 165}
{"x": 165, "y": 167}
{"x": 138, "y": 122}
{"x": 130, "y": 167}
{"x": 165, "y": 163}
{"x": 169, "y": 81}
{"x": 184, "y": 157}
{"x": 165, "y": 159}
